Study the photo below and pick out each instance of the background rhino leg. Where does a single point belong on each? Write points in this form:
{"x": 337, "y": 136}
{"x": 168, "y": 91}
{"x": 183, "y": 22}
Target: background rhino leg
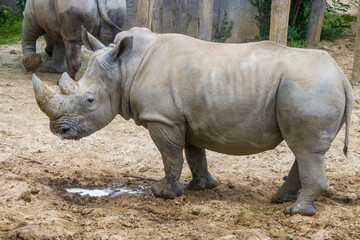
{"x": 107, "y": 33}
{"x": 73, "y": 62}
{"x": 196, "y": 158}
{"x": 289, "y": 190}
{"x": 57, "y": 64}
{"x": 49, "y": 45}
{"x": 30, "y": 33}
{"x": 170, "y": 142}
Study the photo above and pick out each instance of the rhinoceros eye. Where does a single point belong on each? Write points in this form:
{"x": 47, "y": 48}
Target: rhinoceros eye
{"x": 89, "y": 101}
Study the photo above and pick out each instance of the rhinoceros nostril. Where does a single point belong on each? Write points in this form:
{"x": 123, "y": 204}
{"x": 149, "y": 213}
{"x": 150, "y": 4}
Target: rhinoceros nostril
{"x": 64, "y": 130}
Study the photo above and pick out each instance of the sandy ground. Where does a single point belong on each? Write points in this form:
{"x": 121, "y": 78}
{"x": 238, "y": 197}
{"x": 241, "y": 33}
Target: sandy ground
{"x": 36, "y": 167}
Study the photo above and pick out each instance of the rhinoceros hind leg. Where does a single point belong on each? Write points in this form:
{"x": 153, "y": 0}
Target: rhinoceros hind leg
{"x": 31, "y": 62}
{"x": 170, "y": 142}
{"x": 289, "y": 190}
{"x": 58, "y": 64}
{"x": 49, "y": 45}
{"x": 309, "y": 114}
{"x": 313, "y": 182}
{"x": 196, "y": 159}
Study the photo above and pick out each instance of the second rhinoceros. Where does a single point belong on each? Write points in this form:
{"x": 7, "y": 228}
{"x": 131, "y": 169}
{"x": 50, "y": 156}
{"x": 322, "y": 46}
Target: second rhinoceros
{"x": 60, "y": 22}
{"x": 190, "y": 94}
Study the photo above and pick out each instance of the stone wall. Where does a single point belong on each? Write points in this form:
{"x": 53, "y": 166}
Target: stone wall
{"x": 240, "y": 12}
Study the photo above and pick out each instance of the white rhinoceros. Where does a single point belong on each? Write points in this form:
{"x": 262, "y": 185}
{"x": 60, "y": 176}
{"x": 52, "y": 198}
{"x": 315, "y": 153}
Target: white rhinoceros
{"x": 190, "y": 94}
{"x": 60, "y": 22}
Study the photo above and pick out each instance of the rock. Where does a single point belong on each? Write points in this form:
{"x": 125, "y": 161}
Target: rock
{"x": 34, "y": 191}
{"x": 230, "y": 185}
{"x": 25, "y": 196}
{"x": 195, "y": 212}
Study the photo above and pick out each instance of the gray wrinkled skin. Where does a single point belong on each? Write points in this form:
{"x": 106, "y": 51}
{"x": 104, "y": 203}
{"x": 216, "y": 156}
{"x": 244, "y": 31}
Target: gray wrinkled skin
{"x": 236, "y": 99}
{"x": 60, "y": 22}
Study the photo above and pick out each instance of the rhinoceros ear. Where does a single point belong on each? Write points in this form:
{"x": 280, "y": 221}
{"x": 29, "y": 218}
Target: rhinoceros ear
{"x": 90, "y": 41}
{"x": 122, "y": 49}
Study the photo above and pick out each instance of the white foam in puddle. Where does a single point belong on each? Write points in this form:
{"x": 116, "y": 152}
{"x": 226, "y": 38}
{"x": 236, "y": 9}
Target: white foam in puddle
{"x": 102, "y": 192}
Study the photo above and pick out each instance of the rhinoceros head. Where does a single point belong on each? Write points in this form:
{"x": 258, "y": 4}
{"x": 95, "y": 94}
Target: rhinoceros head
{"x": 88, "y": 105}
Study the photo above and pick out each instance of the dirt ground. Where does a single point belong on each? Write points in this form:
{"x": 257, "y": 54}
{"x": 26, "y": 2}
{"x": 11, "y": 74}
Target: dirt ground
{"x": 36, "y": 167}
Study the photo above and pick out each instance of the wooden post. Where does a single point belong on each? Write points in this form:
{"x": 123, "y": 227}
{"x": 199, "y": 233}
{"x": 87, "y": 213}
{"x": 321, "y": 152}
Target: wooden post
{"x": 280, "y": 10}
{"x": 356, "y": 64}
{"x": 143, "y": 13}
{"x": 315, "y": 21}
{"x": 180, "y": 16}
{"x": 156, "y": 22}
{"x": 148, "y": 14}
{"x": 205, "y": 19}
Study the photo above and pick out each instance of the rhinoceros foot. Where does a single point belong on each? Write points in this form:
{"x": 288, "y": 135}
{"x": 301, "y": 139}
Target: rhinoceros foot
{"x": 31, "y": 62}
{"x": 168, "y": 188}
{"x": 301, "y": 207}
{"x": 202, "y": 183}
{"x": 284, "y": 197}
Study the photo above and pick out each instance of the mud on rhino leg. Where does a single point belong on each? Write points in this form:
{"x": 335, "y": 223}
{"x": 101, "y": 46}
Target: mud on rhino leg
{"x": 196, "y": 158}
{"x": 58, "y": 64}
{"x": 289, "y": 190}
{"x": 73, "y": 62}
{"x": 30, "y": 33}
{"x": 170, "y": 142}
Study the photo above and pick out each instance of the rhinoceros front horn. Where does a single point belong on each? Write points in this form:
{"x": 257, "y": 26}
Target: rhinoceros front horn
{"x": 48, "y": 101}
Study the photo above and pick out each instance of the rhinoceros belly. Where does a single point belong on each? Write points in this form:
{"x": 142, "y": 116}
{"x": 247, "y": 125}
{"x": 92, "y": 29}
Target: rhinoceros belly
{"x": 237, "y": 139}
{"x": 232, "y": 116}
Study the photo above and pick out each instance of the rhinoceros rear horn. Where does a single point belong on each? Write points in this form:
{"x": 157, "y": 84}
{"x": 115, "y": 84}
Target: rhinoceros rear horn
{"x": 67, "y": 85}
{"x": 48, "y": 101}
{"x": 90, "y": 41}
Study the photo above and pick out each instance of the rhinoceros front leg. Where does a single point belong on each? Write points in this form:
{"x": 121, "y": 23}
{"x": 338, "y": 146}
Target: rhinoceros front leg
{"x": 289, "y": 190}
{"x": 170, "y": 142}
{"x": 58, "y": 64}
{"x": 196, "y": 158}
{"x": 73, "y": 62}
{"x": 30, "y": 33}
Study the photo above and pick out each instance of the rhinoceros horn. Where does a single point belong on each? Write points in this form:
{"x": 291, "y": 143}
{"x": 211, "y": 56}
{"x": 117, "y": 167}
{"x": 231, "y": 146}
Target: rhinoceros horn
{"x": 67, "y": 85}
{"x": 48, "y": 101}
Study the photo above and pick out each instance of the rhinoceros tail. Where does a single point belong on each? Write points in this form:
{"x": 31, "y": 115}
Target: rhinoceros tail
{"x": 348, "y": 108}
{"x": 105, "y": 16}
